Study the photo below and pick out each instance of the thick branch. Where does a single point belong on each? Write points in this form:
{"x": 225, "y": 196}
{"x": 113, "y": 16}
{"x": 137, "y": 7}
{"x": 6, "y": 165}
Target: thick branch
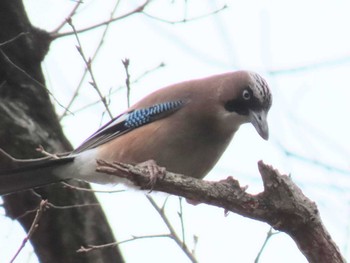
{"x": 282, "y": 204}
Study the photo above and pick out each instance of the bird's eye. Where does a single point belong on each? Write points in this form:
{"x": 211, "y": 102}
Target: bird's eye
{"x": 246, "y": 95}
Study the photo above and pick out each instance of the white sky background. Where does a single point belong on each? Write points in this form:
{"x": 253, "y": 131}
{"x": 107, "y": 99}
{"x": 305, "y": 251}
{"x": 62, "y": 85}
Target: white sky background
{"x": 302, "y": 48}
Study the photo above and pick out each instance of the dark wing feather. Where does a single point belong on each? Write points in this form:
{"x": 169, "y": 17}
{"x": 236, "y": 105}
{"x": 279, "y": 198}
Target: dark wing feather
{"x": 127, "y": 122}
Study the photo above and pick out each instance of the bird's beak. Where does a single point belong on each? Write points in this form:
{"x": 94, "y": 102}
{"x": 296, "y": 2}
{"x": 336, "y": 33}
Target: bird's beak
{"x": 259, "y": 121}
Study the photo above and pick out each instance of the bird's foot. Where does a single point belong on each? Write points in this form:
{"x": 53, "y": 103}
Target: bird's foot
{"x": 155, "y": 171}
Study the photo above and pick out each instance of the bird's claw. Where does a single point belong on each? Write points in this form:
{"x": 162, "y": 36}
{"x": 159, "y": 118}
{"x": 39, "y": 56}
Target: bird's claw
{"x": 155, "y": 171}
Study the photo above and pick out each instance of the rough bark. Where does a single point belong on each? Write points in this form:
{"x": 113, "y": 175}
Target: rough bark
{"x": 27, "y": 120}
{"x": 282, "y": 204}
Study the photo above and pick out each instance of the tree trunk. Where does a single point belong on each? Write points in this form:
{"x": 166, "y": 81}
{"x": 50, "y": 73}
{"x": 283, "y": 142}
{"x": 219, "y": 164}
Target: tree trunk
{"x": 27, "y": 120}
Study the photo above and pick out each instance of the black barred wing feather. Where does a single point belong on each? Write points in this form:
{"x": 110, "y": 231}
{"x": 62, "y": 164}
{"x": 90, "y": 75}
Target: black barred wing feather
{"x": 129, "y": 121}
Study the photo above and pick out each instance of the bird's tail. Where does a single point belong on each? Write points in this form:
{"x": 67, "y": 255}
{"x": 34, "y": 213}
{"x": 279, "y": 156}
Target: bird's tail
{"x": 17, "y": 175}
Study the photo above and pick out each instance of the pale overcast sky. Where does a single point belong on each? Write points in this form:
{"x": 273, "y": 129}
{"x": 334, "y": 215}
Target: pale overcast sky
{"x": 302, "y": 48}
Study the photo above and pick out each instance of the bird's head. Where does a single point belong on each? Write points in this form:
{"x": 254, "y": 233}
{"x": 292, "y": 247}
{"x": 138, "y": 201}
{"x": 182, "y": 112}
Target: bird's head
{"x": 251, "y": 100}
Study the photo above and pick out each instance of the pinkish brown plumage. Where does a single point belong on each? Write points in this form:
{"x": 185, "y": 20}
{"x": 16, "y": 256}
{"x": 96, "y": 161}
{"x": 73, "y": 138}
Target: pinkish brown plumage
{"x": 184, "y": 127}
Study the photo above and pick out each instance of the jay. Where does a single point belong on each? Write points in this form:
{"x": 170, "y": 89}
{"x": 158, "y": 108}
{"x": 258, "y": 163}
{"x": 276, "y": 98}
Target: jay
{"x": 184, "y": 127}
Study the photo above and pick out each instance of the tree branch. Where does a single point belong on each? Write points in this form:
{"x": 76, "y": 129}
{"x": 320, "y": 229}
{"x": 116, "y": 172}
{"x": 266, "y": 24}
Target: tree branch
{"x": 139, "y": 9}
{"x": 34, "y": 226}
{"x": 282, "y": 204}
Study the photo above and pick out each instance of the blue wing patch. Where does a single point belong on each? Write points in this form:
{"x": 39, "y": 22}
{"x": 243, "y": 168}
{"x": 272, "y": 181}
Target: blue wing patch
{"x": 141, "y": 117}
{"x": 129, "y": 121}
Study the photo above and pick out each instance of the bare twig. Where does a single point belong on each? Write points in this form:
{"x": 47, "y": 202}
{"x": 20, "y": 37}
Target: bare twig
{"x": 69, "y": 17}
{"x": 126, "y": 63}
{"x": 39, "y": 212}
{"x": 312, "y": 66}
{"x": 160, "y": 65}
{"x": 121, "y": 87}
{"x": 69, "y": 186}
{"x": 323, "y": 165}
{"x": 22, "y": 71}
{"x": 173, "y": 233}
{"x": 28, "y": 212}
{"x": 185, "y": 19}
{"x": 44, "y": 152}
{"x": 195, "y": 243}
{"x": 89, "y": 68}
{"x": 13, "y": 39}
{"x": 62, "y": 207}
{"x": 99, "y": 46}
{"x": 51, "y": 205}
{"x": 90, "y": 248}
{"x": 269, "y": 234}
{"x": 181, "y": 216}
{"x": 134, "y": 11}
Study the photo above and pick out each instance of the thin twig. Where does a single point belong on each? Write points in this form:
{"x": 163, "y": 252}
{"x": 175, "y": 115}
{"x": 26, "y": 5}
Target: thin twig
{"x": 126, "y": 63}
{"x": 185, "y": 19}
{"x": 29, "y": 76}
{"x": 145, "y": 73}
{"x": 269, "y": 234}
{"x": 13, "y": 39}
{"x": 39, "y": 212}
{"x": 136, "y": 10}
{"x": 69, "y": 186}
{"x": 195, "y": 243}
{"x": 180, "y": 214}
{"x": 173, "y": 233}
{"x": 312, "y": 66}
{"x": 64, "y": 22}
{"x": 89, "y": 68}
{"x": 99, "y": 46}
{"x": 89, "y": 248}
{"x": 42, "y": 150}
{"x": 121, "y": 87}
{"x": 61, "y": 207}
{"x": 324, "y": 165}
{"x": 51, "y": 205}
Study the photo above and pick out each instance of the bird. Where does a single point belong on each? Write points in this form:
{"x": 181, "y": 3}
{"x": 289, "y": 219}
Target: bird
{"x": 184, "y": 127}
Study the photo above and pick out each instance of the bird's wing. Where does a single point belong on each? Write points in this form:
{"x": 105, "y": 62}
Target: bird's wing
{"x": 129, "y": 121}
